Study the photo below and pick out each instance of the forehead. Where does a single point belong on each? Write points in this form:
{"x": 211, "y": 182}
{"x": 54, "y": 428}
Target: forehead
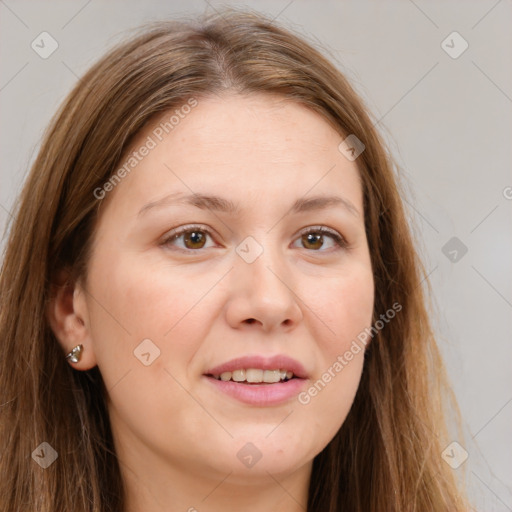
{"x": 240, "y": 146}
{"x": 251, "y": 124}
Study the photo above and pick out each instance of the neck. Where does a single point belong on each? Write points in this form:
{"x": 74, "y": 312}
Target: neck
{"x": 157, "y": 486}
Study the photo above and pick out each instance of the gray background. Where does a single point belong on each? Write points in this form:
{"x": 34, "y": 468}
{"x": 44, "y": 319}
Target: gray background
{"x": 448, "y": 122}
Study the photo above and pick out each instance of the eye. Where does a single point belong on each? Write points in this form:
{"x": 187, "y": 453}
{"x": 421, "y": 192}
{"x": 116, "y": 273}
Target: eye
{"x": 193, "y": 237}
{"x": 314, "y": 238}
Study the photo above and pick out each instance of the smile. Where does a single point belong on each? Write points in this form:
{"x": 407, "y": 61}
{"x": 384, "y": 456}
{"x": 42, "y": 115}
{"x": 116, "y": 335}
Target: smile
{"x": 259, "y": 380}
{"x": 255, "y": 376}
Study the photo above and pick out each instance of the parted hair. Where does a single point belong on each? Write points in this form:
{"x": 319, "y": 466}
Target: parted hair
{"x": 387, "y": 454}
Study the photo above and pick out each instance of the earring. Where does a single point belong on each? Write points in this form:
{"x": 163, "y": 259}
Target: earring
{"x": 75, "y": 355}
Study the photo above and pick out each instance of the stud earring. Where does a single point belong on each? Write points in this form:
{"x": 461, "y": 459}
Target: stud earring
{"x": 75, "y": 355}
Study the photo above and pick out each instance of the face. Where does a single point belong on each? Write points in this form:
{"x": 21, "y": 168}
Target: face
{"x": 219, "y": 259}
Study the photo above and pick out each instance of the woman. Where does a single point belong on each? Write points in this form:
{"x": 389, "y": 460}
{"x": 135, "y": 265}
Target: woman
{"x": 210, "y": 296}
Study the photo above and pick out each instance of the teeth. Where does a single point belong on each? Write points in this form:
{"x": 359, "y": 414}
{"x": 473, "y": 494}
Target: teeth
{"x": 238, "y": 375}
{"x": 271, "y": 376}
{"x": 255, "y": 375}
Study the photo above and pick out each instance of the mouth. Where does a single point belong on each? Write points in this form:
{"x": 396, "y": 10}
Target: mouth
{"x": 258, "y": 380}
{"x": 255, "y": 376}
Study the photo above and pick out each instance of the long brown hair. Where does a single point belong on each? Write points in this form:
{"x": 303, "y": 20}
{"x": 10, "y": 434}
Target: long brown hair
{"x": 387, "y": 454}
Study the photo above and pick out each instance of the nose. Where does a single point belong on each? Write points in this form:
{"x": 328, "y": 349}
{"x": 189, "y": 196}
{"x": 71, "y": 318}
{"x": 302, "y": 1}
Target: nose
{"x": 262, "y": 294}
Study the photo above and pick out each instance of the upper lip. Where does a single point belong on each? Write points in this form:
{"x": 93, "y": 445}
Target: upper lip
{"x": 277, "y": 362}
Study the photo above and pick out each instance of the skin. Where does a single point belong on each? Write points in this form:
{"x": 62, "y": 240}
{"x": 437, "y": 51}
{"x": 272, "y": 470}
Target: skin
{"x": 177, "y": 437}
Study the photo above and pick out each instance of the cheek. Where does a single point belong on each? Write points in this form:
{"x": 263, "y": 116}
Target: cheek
{"x": 344, "y": 305}
{"x": 143, "y": 300}
{"x": 131, "y": 303}
{"x": 147, "y": 325}
{"x": 346, "y": 308}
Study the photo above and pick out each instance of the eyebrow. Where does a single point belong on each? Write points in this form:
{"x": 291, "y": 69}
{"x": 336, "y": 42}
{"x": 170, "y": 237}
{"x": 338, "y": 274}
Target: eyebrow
{"x": 220, "y": 204}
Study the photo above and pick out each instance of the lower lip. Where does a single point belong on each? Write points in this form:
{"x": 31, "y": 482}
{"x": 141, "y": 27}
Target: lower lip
{"x": 260, "y": 394}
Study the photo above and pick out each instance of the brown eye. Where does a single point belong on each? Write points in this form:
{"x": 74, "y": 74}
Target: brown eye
{"x": 315, "y": 239}
{"x": 194, "y": 239}
{"x": 187, "y": 239}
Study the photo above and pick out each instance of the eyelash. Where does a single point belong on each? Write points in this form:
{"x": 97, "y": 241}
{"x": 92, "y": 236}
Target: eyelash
{"x": 322, "y": 230}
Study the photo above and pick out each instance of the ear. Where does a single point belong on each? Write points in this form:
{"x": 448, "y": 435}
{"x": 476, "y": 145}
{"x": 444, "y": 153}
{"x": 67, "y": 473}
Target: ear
{"x": 69, "y": 320}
